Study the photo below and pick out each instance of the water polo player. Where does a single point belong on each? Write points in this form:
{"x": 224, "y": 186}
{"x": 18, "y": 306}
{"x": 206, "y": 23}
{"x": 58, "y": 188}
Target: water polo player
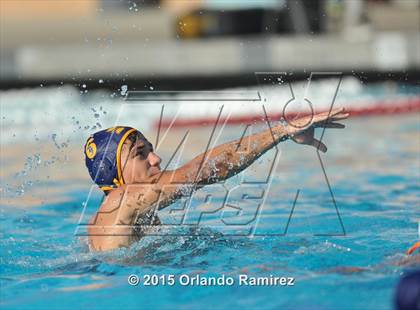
{"x": 122, "y": 162}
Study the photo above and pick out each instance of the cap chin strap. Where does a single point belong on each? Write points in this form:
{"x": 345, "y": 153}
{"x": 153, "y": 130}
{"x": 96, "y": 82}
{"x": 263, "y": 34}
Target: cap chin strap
{"x": 120, "y": 180}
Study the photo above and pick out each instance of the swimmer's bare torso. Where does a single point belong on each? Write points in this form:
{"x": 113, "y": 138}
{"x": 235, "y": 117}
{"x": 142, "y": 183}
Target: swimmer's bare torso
{"x": 125, "y": 209}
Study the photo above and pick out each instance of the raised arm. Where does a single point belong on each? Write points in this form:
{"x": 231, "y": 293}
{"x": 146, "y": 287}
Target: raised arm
{"x": 221, "y": 163}
{"x": 112, "y": 226}
{"x": 229, "y": 159}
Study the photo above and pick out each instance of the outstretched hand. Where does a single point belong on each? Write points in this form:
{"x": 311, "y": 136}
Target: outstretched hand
{"x": 302, "y": 130}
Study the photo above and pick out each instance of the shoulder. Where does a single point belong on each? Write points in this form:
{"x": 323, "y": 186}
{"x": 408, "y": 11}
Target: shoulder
{"x": 132, "y": 196}
{"x": 114, "y": 198}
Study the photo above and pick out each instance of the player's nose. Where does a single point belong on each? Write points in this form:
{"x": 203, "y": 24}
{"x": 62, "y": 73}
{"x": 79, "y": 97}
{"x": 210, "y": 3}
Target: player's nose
{"x": 154, "y": 159}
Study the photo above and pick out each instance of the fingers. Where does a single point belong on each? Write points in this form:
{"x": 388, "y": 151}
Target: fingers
{"x": 321, "y": 119}
{"x": 319, "y": 145}
{"x": 332, "y": 113}
{"x": 339, "y": 112}
{"x": 330, "y": 120}
{"x": 336, "y": 111}
{"x": 339, "y": 116}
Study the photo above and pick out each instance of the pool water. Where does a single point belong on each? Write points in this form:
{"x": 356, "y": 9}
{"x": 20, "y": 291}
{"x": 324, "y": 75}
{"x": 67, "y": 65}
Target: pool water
{"x": 372, "y": 167}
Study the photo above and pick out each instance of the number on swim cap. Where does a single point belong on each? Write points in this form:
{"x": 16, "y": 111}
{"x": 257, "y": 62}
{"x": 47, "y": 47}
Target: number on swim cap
{"x": 90, "y": 149}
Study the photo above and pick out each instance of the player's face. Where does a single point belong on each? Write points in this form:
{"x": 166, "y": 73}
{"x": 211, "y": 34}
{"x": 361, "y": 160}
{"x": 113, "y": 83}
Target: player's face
{"x": 138, "y": 160}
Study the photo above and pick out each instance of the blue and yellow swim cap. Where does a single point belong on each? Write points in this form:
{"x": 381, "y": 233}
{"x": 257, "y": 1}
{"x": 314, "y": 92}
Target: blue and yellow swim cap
{"x": 103, "y": 156}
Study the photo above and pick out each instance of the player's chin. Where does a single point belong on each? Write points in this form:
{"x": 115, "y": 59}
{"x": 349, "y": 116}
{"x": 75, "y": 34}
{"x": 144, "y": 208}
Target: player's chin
{"x": 153, "y": 171}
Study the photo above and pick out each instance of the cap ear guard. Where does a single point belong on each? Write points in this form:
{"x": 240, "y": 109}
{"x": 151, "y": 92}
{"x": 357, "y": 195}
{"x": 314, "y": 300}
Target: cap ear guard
{"x": 104, "y": 171}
